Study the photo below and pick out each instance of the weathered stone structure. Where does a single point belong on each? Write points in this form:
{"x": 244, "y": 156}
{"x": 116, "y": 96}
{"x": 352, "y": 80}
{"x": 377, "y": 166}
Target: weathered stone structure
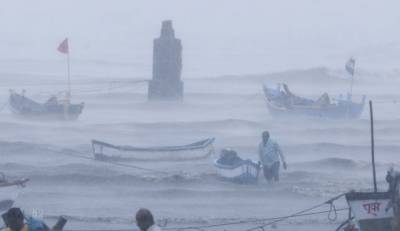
{"x": 167, "y": 66}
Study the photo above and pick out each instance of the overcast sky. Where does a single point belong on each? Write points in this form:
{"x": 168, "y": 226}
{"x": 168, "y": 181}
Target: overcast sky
{"x": 221, "y": 36}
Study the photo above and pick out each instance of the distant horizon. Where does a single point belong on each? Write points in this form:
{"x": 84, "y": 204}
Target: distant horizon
{"x": 219, "y": 37}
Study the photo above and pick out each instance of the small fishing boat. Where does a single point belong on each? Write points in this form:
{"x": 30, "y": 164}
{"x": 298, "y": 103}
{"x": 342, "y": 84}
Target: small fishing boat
{"x": 198, "y": 150}
{"x": 233, "y": 168}
{"x": 52, "y": 108}
{"x": 282, "y": 102}
{"x": 369, "y": 211}
{"x": 376, "y": 210}
{"x": 9, "y": 191}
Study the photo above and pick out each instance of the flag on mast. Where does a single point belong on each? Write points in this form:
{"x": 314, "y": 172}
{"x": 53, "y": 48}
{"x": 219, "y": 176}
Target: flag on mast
{"x": 63, "y": 47}
{"x": 350, "y": 66}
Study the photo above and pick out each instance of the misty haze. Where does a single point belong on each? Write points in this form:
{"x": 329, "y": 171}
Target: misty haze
{"x": 107, "y": 107}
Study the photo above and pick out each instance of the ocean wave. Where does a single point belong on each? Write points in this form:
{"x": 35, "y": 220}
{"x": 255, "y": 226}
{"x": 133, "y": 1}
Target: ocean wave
{"x": 170, "y": 222}
{"x": 99, "y": 176}
{"x": 20, "y": 147}
{"x": 321, "y": 147}
{"x": 334, "y": 162}
{"x": 194, "y": 124}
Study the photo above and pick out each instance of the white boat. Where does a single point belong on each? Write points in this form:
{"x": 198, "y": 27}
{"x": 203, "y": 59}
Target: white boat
{"x": 198, "y": 150}
{"x": 9, "y": 191}
{"x": 232, "y": 168}
{"x": 371, "y": 210}
{"x": 374, "y": 211}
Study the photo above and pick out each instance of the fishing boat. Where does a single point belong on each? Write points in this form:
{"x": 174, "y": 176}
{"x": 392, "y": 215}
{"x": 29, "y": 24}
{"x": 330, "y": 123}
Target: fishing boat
{"x": 9, "y": 191}
{"x": 371, "y": 211}
{"x": 376, "y": 210}
{"x": 282, "y": 102}
{"x": 52, "y": 108}
{"x": 232, "y": 168}
{"x": 368, "y": 211}
{"x": 198, "y": 150}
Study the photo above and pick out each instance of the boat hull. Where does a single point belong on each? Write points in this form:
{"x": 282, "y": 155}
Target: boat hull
{"x": 345, "y": 111}
{"x": 25, "y": 107}
{"x": 109, "y": 152}
{"x": 246, "y": 172}
{"x": 372, "y": 210}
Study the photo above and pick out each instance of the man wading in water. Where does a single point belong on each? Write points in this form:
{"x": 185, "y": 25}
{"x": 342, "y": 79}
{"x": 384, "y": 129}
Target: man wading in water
{"x": 270, "y": 156}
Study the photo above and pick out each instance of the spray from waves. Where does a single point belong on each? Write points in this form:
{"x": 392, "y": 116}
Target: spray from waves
{"x": 19, "y": 147}
{"x": 327, "y": 148}
{"x": 168, "y": 223}
{"x": 120, "y": 179}
{"x": 303, "y": 179}
{"x": 332, "y": 163}
{"x": 195, "y": 124}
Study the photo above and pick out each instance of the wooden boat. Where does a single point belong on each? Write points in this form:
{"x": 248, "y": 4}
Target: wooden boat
{"x": 374, "y": 211}
{"x": 369, "y": 211}
{"x": 199, "y": 150}
{"x": 281, "y": 102}
{"x": 52, "y": 108}
{"x": 232, "y": 168}
{"x": 9, "y": 191}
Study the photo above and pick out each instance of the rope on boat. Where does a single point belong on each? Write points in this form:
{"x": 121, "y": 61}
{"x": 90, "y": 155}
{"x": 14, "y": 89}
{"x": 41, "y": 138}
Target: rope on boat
{"x": 82, "y": 155}
{"x": 344, "y": 223}
{"x": 330, "y": 202}
{"x": 109, "y": 86}
{"x": 203, "y": 227}
{"x": 133, "y": 84}
{"x": 332, "y": 210}
{"x": 253, "y": 220}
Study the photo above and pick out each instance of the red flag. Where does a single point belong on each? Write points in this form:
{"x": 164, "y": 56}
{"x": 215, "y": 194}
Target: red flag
{"x": 63, "y": 47}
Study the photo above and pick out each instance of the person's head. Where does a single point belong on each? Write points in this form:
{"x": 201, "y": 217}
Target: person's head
{"x": 265, "y": 137}
{"x": 15, "y": 219}
{"x": 144, "y": 219}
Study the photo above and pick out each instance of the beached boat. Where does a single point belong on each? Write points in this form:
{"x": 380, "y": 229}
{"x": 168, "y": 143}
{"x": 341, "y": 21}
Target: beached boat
{"x": 374, "y": 211}
{"x": 281, "y": 102}
{"x": 233, "y": 168}
{"x": 9, "y": 191}
{"x": 52, "y": 108}
{"x": 369, "y": 211}
{"x": 199, "y": 150}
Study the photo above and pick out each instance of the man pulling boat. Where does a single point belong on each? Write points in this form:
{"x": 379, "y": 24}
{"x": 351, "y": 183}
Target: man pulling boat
{"x": 270, "y": 156}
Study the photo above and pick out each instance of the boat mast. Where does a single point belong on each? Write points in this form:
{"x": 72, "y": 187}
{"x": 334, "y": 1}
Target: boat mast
{"x": 64, "y": 48}
{"x": 351, "y": 68}
{"x": 351, "y": 85}
{"x": 69, "y": 76}
{"x": 372, "y": 146}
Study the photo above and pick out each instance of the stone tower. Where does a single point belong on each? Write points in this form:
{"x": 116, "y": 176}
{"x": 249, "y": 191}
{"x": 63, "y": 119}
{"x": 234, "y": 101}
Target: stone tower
{"x": 167, "y": 66}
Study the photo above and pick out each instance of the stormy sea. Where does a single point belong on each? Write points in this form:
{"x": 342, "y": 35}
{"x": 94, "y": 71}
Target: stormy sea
{"x": 325, "y": 157}
{"x": 230, "y": 49}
